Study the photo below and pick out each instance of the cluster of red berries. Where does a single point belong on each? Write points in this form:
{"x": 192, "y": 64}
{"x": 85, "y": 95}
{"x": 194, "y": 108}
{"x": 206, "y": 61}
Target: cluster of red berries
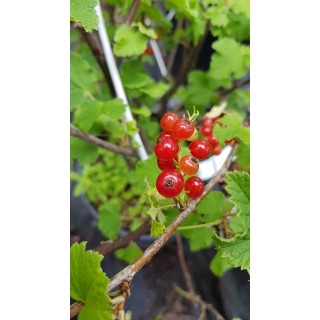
{"x": 206, "y": 131}
{"x": 170, "y": 182}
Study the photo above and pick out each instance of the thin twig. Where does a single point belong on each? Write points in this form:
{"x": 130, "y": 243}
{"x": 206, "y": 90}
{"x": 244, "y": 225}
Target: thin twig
{"x": 132, "y": 12}
{"x": 107, "y": 247}
{"x": 183, "y": 264}
{"x": 129, "y": 272}
{"x": 100, "y": 143}
{"x": 197, "y": 299}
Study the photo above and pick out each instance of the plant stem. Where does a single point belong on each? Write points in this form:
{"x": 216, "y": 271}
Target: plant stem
{"x": 132, "y": 12}
{"x": 100, "y": 143}
{"x": 214, "y": 223}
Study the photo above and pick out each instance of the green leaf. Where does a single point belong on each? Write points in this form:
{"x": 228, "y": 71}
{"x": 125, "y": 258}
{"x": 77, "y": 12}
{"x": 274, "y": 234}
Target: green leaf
{"x": 231, "y": 59}
{"x": 240, "y": 6}
{"x": 212, "y": 206}
{"x": 232, "y": 128}
{"x": 109, "y": 219}
{"x": 243, "y": 156}
{"x": 83, "y": 11}
{"x": 235, "y": 250}
{"x": 155, "y": 90}
{"x": 88, "y": 283}
{"x": 219, "y": 265}
{"x": 148, "y": 169}
{"x": 82, "y": 151}
{"x": 218, "y": 15}
{"x": 132, "y": 127}
{"x": 129, "y": 254}
{"x": 157, "y": 228}
{"x": 185, "y": 6}
{"x": 146, "y": 31}
{"x": 129, "y": 41}
{"x": 201, "y": 239}
{"x": 88, "y": 113}
{"x": 114, "y": 109}
{"x": 142, "y": 111}
{"x": 238, "y": 186}
{"x": 133, "y": 75}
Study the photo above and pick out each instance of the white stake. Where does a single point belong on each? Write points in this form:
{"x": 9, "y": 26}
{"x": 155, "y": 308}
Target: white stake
{"x": 114, "y": 73}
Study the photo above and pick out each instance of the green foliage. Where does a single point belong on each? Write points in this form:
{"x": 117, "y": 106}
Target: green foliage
{"x": 129, "y": 41}
{"x": 157, "y": 228}
{"x": 82, "y": 151}
{"x": 129, "y": 254}
{"x": 237, "y": 249}
{"x": 232, "y": 127}
{"x": 212, "y": 206}
{"x": 219, "y": 265}
{"x": 83, "y": 11}
{"x": 88, "y": 283}
{"x": 109, "y": 219}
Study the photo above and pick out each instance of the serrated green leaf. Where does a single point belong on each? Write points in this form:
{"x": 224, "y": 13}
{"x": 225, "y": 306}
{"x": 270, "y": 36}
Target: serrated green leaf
{"x": 157, "y": 228}
{"x": 148, "y": 169}
{"x": 88, "y": 283}
{"x": 186, "y": 7}
{"x": 218, "y": 15}
{"x": 88, "y": 113}
{"x": 155, "y": 90}
{"x": 212, "y": 206}
{"x": 83, "y": 11}
{"x": 232, "y": 128}
{"x": 240, "y": 6}
{"x": 146, "y": 31}
{"x": 231, "y": 59}
{"x": 82, "y": 151}
{"x": 109, "y": 219}
{"x": 114, "y": 109}
{"x": 219, "y": 265}
{"x": 201, "y": 239}
{"x": 238, "y": 186}
{"x": 235, "y": 250}
{"x": 129, "y": 254}
{"x": 129, "y": 41}
{"x": 132, "y": 128}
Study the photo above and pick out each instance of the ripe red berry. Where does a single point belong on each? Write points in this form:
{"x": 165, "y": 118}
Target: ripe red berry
{"x": 168, "y": 120}
{"x": 148, "y": 51}
{"x": 194, "y": 187}
{"x": 206, "y": 131}
{"x": 166, "y": 148}
{"x": 189, "y": 164}
{"x": 169, "y": 183}
{"x": 213, "y": 141}
{"x": 200, "y": 149}
{"x": 165, "y": 134}
{"x": 182, "y": 129}
{"x": 216, "y": 150}
{"x": 207, "y": 122}
{"x": 194, "y": 135}
{"x": 166, "y": 164}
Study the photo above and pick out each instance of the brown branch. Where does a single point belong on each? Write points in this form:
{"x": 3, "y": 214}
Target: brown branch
{"x": 107, "y": 247}
{"x": 204, "y": 305}
{"x": 183, "y": 264}
{"x": 236, "y": 85}
{"x": 129, "y": 272}
{"x": 100, "y": 143}
{"x": 132, "y": 12}
{"x": 75, "y": 308}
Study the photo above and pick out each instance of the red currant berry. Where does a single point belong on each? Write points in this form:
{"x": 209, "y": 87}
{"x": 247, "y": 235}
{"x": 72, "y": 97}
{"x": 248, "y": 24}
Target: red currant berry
{"x": 194, "y": 187}
{"x": 200, "y": 149}
{"x": 182, "y": 129}
{"x": 148, "y": 51}
{"x": 165, "y": 134}
{"x": 206, "y": 131}
{"x": 169, "y": 183}
{"x": 166, "y": 148}
{"x": 166, "y": 165}
{"x": 213, "y": 141}
{"x": 216, "y": 150}
{"x": 168, "y": 120}
{"x": 207, "y": 122}
{"x": 189, "y": 165}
